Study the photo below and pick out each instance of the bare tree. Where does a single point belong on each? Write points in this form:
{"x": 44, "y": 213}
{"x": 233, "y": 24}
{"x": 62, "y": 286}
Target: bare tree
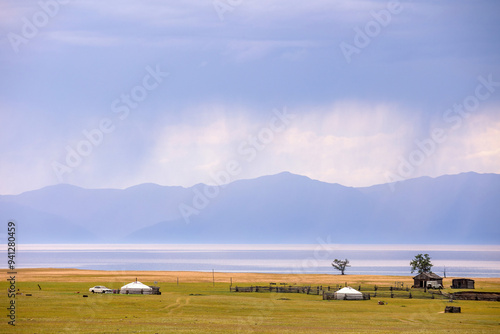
{"x": 340, "y": 265}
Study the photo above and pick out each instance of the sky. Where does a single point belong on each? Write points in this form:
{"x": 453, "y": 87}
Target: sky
{"x": 110, "y": 94}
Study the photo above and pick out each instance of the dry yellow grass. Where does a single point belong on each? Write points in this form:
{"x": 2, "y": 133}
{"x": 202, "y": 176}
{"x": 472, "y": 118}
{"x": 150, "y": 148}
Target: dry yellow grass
{"x": 77, "y": 275}
{"x": 197, "y": 306}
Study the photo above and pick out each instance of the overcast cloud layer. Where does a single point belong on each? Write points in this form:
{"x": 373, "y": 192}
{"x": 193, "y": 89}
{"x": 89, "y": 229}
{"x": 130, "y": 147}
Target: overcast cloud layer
{"x": 115, "y": 93}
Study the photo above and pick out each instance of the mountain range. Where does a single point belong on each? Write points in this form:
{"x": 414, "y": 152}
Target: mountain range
{"x": 275, "y": 209}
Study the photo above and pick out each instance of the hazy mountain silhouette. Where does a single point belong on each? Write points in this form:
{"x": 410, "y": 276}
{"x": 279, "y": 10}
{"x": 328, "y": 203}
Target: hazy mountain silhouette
{"x": 282, "y": 208}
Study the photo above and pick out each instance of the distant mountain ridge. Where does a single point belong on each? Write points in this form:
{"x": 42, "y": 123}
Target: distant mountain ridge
{"x": 281, "y": 208}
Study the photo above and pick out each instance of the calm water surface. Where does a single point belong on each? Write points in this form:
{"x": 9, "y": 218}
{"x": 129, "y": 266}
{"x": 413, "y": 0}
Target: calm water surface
{"x": 459, "y": 260}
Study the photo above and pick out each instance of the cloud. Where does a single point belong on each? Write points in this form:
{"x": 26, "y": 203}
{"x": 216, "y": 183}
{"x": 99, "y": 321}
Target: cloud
{"x": 243, "y": 51}
{"x": 26, "y": 144}
{"x": 354, "y": 121}
{"x": 352, "y": 143}
{"x": 84, "y": 38}
{"x": 348, "y": 142}
{"x": 472, "y": 147}
{"x": 10, "y": 13}
{"x": 468, "y": 145}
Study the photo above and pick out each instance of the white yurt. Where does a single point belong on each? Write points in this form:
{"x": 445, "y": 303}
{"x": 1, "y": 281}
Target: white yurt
{"x": 136, "y": 288}
{"x": 348, "y": 293}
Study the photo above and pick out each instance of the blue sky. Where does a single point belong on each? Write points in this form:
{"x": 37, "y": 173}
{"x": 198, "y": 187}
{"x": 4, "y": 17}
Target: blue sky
{"x": 374, "y": 91}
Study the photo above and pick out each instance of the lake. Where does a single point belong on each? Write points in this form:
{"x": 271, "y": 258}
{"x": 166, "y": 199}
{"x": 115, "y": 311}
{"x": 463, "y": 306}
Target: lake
{"x": 458, "y": 260}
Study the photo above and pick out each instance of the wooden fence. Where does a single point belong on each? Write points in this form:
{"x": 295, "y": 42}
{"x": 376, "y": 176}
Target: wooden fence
{"x": 472, "y": 295}
{"x": 331, "y": 295}
{"x": 369, "y": 291}
{"x": 310, "y": 290}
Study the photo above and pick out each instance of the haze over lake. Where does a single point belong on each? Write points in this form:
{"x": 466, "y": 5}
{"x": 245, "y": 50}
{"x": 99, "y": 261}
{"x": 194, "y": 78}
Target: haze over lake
{"x": 459, "y": 260}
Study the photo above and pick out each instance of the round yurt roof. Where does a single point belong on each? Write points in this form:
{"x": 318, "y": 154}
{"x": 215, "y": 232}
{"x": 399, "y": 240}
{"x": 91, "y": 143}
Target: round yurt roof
{"x": 136, "y": 285}
{"x": 349, "y": 290}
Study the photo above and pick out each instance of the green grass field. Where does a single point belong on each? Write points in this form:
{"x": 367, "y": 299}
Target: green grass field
{"x": 200, "y": 307}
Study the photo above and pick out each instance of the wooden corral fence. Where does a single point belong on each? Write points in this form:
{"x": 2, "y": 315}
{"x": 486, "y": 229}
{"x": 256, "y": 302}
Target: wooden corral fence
{"x": 469, "y": 295}
{"x": 409, "y": 295}
{"x": 330, "y": 296}
{"x": 310, "y": 290}
{"x": 390, "y": 288}
{"x": 285, "y": 288}
{"x": 371, "y": 291}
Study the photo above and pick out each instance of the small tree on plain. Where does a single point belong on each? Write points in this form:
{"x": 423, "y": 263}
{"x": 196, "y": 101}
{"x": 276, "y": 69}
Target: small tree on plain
{"x": 340, "y": 265}
{"x": 421, "y": 263}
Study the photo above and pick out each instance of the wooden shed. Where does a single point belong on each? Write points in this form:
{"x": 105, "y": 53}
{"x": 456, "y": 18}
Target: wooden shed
{"x": 420, "y": 281}
{"x": 462, "y": 283}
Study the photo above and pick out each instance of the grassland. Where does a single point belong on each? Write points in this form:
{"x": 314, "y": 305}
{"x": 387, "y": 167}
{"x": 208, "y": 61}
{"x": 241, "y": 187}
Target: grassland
{"x": 196, "y": 305}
